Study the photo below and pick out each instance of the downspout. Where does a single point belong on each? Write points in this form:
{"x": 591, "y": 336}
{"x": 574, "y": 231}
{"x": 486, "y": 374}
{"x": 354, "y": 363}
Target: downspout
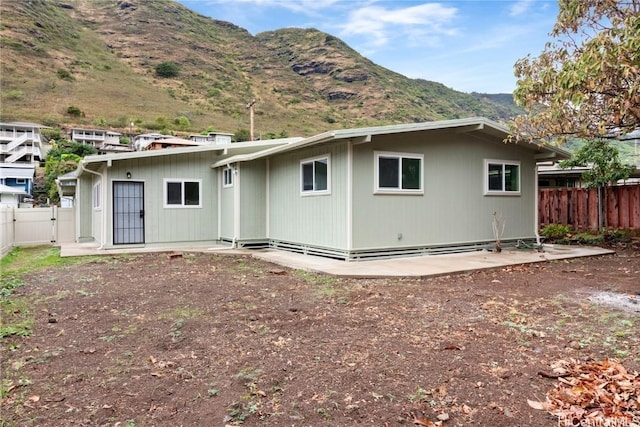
{"x": 103, "y": 202}
{"x": 536, "y": 203}
{"x": 236, "y": 206}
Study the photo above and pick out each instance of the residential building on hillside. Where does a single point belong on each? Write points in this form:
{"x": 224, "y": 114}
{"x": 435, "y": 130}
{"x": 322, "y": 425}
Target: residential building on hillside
{"x": 160, "y": 144}
{"x": 140, "y": 142}
{"x": 213, "y": 138}
{"x": 21, "y": 150}
{"x": 95, "y": 137}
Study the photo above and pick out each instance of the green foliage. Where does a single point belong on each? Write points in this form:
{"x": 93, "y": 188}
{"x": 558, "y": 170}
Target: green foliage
{"x": 53, "y": 133}
{"x": 65, "y": 75}
{"x": 586, "y": 83}
{"x": 555, "y": 232}
{"x": 62, "y": 158}
{"x": 72, "y": 110}
{"x": 241, "y": 135}
{"x": 603, "y": 160}
{"x": 13, "y": 95}
{"x": 182, "y": 122}
{"x": 167, "y": 69}
{"x": 125, "y": 140}
{"x": 588, "y": 238}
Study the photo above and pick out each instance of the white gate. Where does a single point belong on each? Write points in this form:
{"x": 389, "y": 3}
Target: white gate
{"x": 37, "y": 226}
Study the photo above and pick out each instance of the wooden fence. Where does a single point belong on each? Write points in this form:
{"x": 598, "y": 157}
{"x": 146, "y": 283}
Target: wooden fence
{"x": 579, "y": 207}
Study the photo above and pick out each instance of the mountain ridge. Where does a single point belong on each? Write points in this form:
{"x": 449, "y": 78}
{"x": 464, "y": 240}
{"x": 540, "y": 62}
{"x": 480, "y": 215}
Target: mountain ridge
{"x": 99, "y": 56}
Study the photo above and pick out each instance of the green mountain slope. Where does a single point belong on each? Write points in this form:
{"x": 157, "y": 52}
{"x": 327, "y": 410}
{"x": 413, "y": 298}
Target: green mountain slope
{"x": 99, "y": 57}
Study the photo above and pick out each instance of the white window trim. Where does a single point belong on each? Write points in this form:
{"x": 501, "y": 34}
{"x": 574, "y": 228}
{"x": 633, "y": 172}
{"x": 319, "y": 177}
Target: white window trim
{"x": 231, "y": 172}
{"x": 376, "y": 181}
{"x": 97, "y": 196}
{"x": 181, "y": 181}
{"x": 316, "y": 192}
{"x": 21, "y": 180}
{"x": 485, "y": 171}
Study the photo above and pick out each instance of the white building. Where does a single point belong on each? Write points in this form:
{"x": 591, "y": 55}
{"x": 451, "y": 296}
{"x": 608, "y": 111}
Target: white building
{"x": 21, "y": 149}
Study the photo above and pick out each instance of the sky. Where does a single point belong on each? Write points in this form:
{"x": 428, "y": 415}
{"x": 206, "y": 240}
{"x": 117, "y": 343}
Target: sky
{"x": 468, "y": 45}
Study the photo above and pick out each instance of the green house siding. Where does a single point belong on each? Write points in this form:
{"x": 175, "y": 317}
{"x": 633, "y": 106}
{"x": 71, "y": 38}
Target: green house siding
{"x": 227, "y": 208}
{"x": 453, "y": 208}
{"x": 253, "y": 224}
{"x": 318, "y": 220}
{"x": 163, "y": 225}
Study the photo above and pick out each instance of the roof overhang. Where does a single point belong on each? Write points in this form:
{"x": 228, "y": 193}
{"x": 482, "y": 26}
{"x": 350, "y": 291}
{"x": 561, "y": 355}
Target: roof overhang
{"x": 365, "y": 135}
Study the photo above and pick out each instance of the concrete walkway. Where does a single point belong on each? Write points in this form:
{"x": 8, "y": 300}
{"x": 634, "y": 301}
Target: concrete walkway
{"x": 419, "y": 266}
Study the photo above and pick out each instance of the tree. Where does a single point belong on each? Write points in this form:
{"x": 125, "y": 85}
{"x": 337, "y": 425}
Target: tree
{"x": 603, "y": 162}
{"x": 241, "y": 135}
{"x": 167, "y": 69}
{"x": 587, "y": 82}
{"x": 62, "y": 158}
{"x": 604, "y": 167}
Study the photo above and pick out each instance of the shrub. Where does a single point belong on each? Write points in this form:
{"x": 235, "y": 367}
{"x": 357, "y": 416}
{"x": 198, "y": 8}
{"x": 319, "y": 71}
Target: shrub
{"x": 555, "y": 231}
{"x": 13, "y": 95}
{"x": 72, "y": 110}
{"x": 588, "y": 238}
{"x": 167, "y": 69}
{"x": 64, "y": 75}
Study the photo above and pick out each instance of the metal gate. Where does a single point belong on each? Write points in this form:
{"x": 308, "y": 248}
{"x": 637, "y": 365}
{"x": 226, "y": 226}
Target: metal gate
{"x": 128, "y": 212}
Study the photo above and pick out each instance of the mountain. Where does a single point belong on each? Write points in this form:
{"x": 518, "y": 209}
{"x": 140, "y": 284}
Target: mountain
{"x": 94, "y": 63}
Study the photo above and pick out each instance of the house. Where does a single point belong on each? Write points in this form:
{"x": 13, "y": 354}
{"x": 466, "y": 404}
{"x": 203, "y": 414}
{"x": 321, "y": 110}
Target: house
{"x": 21, "y": 150}
{"x": 11, "y": 196}
{"x": 349, "y": 194}
{"x": 553, "y": 176}
{"x": 173, "y": 142}
{"x": 213, "y": 138}
{"x": 140, "y": 142}
{"x": 94, "y": 137}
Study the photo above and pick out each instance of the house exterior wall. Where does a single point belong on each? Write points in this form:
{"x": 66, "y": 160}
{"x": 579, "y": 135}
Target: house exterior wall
{"x": 453, "y": 208}
{"x": 253, "y": 200}
{"x": 319, "y": 220}
{"x": 84, "y": 210}
{"x": 227, "y": 208}
{"x": 164, "y": 225}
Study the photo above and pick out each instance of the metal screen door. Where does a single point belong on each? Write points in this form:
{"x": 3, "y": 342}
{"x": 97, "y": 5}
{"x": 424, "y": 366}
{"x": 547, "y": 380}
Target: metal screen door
{"x": 128, "y": 212}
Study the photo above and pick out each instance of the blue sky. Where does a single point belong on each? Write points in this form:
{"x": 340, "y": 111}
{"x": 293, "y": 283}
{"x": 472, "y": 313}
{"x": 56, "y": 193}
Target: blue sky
{"x": 468, "y": 45}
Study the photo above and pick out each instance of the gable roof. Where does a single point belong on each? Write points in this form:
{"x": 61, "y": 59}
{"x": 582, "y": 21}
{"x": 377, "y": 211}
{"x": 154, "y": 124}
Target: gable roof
{"x": 224, "y": 150}
{"x": 363, "y": 135}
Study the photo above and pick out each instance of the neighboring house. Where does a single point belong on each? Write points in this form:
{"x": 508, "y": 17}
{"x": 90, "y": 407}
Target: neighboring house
{"x": 213, "y": 138}
{"x": 350, "y": 194}
{"x": 11, "y": 196}
{"x": 553, "y": 176}
{"x": 173, "y": 142}
{"x": 67, "y": 188}
{"x": 140, "y": 142}
{"x": 21, "y": 149}
{"x": 94, "y": 137}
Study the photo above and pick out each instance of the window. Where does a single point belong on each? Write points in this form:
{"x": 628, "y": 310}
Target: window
{"x": 502, "y": 177}
{"x": 227, "y": 177}
{"x": 314, "y": 175}
{"x": 21, "y": 181}
{"x": 398, "y": 172}
{"x": 183, "y": 193}
{"x": 97, "y": 195}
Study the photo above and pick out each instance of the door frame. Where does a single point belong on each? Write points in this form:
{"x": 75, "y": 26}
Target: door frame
{"x": 113, "y": 213}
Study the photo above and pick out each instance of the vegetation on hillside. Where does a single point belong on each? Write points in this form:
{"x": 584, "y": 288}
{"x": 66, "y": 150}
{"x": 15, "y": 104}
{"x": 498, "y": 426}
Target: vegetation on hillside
{"x": 89, "y": 63}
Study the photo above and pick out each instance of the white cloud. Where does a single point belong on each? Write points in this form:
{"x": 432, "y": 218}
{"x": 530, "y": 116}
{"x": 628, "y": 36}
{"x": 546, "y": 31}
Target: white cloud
{"x": 520, "y": 7}
{"x": 380, "y": 24}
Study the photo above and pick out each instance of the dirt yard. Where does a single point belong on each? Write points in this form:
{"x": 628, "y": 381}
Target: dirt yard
{"x": 215, "y": 340}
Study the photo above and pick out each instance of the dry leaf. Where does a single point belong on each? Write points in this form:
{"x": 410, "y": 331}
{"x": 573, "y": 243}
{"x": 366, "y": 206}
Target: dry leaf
{"x": 541, "y": 406}
{"x": 34, "y": 398}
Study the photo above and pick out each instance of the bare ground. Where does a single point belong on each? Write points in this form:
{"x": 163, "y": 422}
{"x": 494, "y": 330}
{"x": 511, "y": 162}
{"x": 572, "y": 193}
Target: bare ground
{"x": 215, "y": 340}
